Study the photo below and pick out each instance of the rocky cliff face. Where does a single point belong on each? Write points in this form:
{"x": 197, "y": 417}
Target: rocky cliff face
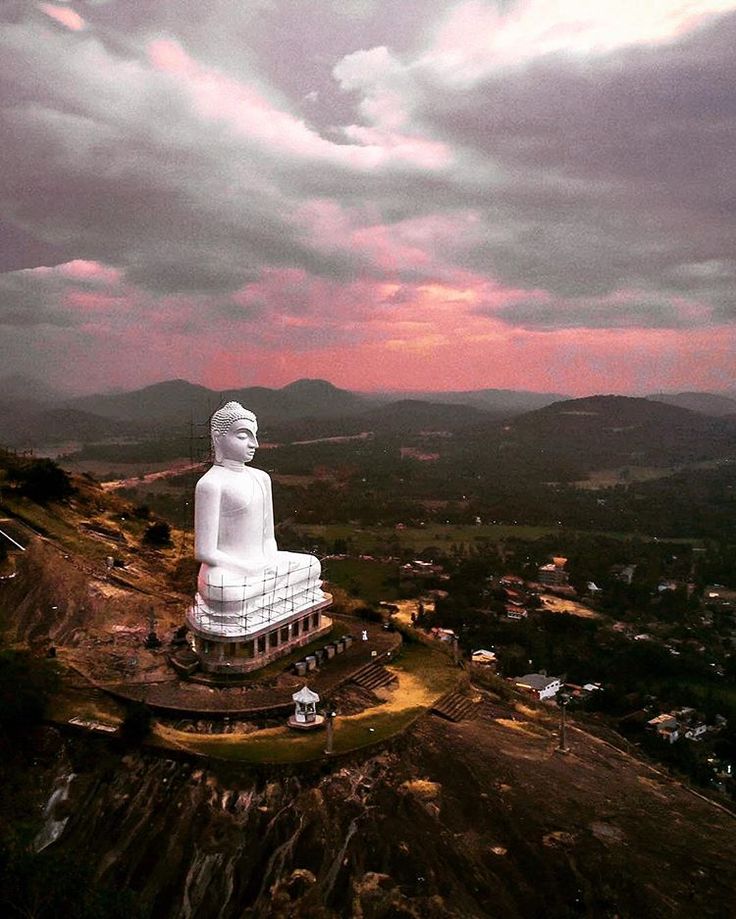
{"x": 476, "y": 819}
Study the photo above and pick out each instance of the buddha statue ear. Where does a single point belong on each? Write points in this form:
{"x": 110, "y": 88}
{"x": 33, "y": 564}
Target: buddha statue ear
{"x": 216, "y": 448}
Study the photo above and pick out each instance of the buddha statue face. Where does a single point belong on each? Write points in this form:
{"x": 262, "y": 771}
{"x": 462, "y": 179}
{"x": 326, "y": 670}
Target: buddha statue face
{"x": 234, "y": 434}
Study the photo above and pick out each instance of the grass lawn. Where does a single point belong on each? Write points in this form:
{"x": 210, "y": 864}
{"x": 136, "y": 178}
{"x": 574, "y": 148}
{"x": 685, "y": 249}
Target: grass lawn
{"x": 54, "y": 526}
{"x": 424, "y": 675}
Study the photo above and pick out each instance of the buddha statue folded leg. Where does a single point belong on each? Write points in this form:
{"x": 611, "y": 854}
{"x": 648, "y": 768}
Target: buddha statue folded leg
{"x": 291, "y": 569}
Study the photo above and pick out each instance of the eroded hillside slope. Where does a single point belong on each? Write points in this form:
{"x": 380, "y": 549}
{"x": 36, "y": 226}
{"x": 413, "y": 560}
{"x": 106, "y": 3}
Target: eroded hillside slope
{"x": 477, "y": 819}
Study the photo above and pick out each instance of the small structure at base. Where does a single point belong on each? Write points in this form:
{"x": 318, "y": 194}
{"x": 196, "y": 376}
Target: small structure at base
{"x": 305, "y": 717}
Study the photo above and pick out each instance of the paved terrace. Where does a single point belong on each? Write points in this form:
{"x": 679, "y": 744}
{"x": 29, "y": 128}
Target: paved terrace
{"x": 180, "y": 698}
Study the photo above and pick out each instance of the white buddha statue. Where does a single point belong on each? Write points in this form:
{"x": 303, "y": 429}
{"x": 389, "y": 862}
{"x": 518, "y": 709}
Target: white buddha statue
{"x": 245, "y": 582}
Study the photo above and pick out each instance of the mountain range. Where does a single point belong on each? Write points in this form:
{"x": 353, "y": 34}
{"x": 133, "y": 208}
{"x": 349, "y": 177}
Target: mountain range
{"x": 32, "y": 415}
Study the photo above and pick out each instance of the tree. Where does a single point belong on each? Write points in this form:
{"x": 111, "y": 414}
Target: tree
{"x": 157, "y": 535}
{"x": 43, "y": 481}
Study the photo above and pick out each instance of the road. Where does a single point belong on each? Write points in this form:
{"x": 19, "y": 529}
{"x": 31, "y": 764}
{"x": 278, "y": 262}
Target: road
{"x": 117, "y": 484}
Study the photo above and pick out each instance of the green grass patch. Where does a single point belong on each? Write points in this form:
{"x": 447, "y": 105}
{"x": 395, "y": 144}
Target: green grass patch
{"x": 286, "y": 746}
{"x": 417, "y": 538}
{"x": 372, "y": 581}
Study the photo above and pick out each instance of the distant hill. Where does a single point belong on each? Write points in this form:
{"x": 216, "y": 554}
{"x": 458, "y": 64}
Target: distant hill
{"x": 412, "y": 415}
{"x": 174, "y": 402}
{"x": 611, "y": 431}
{"x": 707, "y": 403}
{"x": 32, "y": 427}
{"x": 501, "y": 401}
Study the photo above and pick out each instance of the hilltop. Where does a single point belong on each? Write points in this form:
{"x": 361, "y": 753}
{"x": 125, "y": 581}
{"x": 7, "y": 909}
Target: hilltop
{"x": 441, "y": 821}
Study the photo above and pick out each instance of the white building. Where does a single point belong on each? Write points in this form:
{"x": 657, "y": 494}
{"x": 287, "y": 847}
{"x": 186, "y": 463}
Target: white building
{"x": 543, "y": 687}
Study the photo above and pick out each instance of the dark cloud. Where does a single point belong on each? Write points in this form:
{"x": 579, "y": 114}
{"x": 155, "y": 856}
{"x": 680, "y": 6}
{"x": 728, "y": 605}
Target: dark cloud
{"x": 126, "y": 173}
{"x": 642, "y": 312}
{"x": 613, "y": 171}
{"x": 299, "y": 170}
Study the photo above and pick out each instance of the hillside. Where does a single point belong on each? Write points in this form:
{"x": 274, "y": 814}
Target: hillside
{"x": 475, "y": 819}
{"x": 468, "y": 819}
{"x": 32, "y": 425}
{"x": 498, "y": 401}
{"x": 610, "y": 431}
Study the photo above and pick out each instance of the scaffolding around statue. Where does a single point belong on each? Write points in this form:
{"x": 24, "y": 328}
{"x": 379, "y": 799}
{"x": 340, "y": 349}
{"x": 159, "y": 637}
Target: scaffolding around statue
{"x": 235, "y": 635}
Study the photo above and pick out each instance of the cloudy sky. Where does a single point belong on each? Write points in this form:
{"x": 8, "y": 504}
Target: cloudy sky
{"x": 532, "y": 194}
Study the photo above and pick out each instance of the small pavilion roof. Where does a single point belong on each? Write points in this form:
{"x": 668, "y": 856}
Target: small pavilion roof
{"x": 305, "y": 694}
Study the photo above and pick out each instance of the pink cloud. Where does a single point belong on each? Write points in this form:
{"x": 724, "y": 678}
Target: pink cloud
{"x": 81, "y": 269}
{"x": 86, "y": 301}
{"x": 65, "y": 15}
{"x": 250, "y": 114}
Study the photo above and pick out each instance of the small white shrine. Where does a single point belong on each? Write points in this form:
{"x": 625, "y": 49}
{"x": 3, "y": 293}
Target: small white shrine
{"x": 305, "y": 717}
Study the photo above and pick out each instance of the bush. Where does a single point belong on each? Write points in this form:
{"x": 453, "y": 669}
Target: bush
{"x": 53, "y": 884}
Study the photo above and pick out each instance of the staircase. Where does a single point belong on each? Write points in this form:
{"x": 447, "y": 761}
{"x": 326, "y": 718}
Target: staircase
{"x": 373, "y": 676}
{"x": 455, "y": 707}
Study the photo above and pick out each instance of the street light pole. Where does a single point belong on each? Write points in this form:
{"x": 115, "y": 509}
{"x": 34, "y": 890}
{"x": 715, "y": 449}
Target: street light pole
{"x": 330, "y": 718}
{"x": 563, "y": 699}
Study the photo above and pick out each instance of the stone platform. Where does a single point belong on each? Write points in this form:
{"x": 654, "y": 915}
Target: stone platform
{"x": 235, "y": 656}
{"x": 271, "y": 695}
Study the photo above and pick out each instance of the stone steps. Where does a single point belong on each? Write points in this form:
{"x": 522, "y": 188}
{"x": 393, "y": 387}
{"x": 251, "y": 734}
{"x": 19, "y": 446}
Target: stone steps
{"x": 455, "y": 707}
{"x": 373, "y": 676}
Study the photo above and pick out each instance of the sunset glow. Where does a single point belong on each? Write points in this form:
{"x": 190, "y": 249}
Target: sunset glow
{"x": 472, "y": 194}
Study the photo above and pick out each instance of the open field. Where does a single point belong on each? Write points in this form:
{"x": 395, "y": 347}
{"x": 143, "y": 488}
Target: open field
{"x": 422, "y": 537}
{"x": 624, "y": 475}
{"x": 571, "y": 607}
{"x": 444, "y": 535}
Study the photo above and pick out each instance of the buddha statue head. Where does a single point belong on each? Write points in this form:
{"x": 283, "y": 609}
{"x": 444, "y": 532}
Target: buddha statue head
{"x": 233, "y": 429}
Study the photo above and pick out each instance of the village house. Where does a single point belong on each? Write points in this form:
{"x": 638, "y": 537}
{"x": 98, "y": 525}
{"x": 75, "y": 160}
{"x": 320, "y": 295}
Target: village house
{"x": 442, "y": 634}
{"x": 665, "y": 726}
{"x": 484, "y": 658}
{"x": 623, "y": 573}
{"x": 539, "y": 685}
{"x": 553, "y": 574}
{"x": 720, "y": 598}
{"x": 511, "y": 580}
{"x": 685, "y": 722}
{"x": 692, "y": 724}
